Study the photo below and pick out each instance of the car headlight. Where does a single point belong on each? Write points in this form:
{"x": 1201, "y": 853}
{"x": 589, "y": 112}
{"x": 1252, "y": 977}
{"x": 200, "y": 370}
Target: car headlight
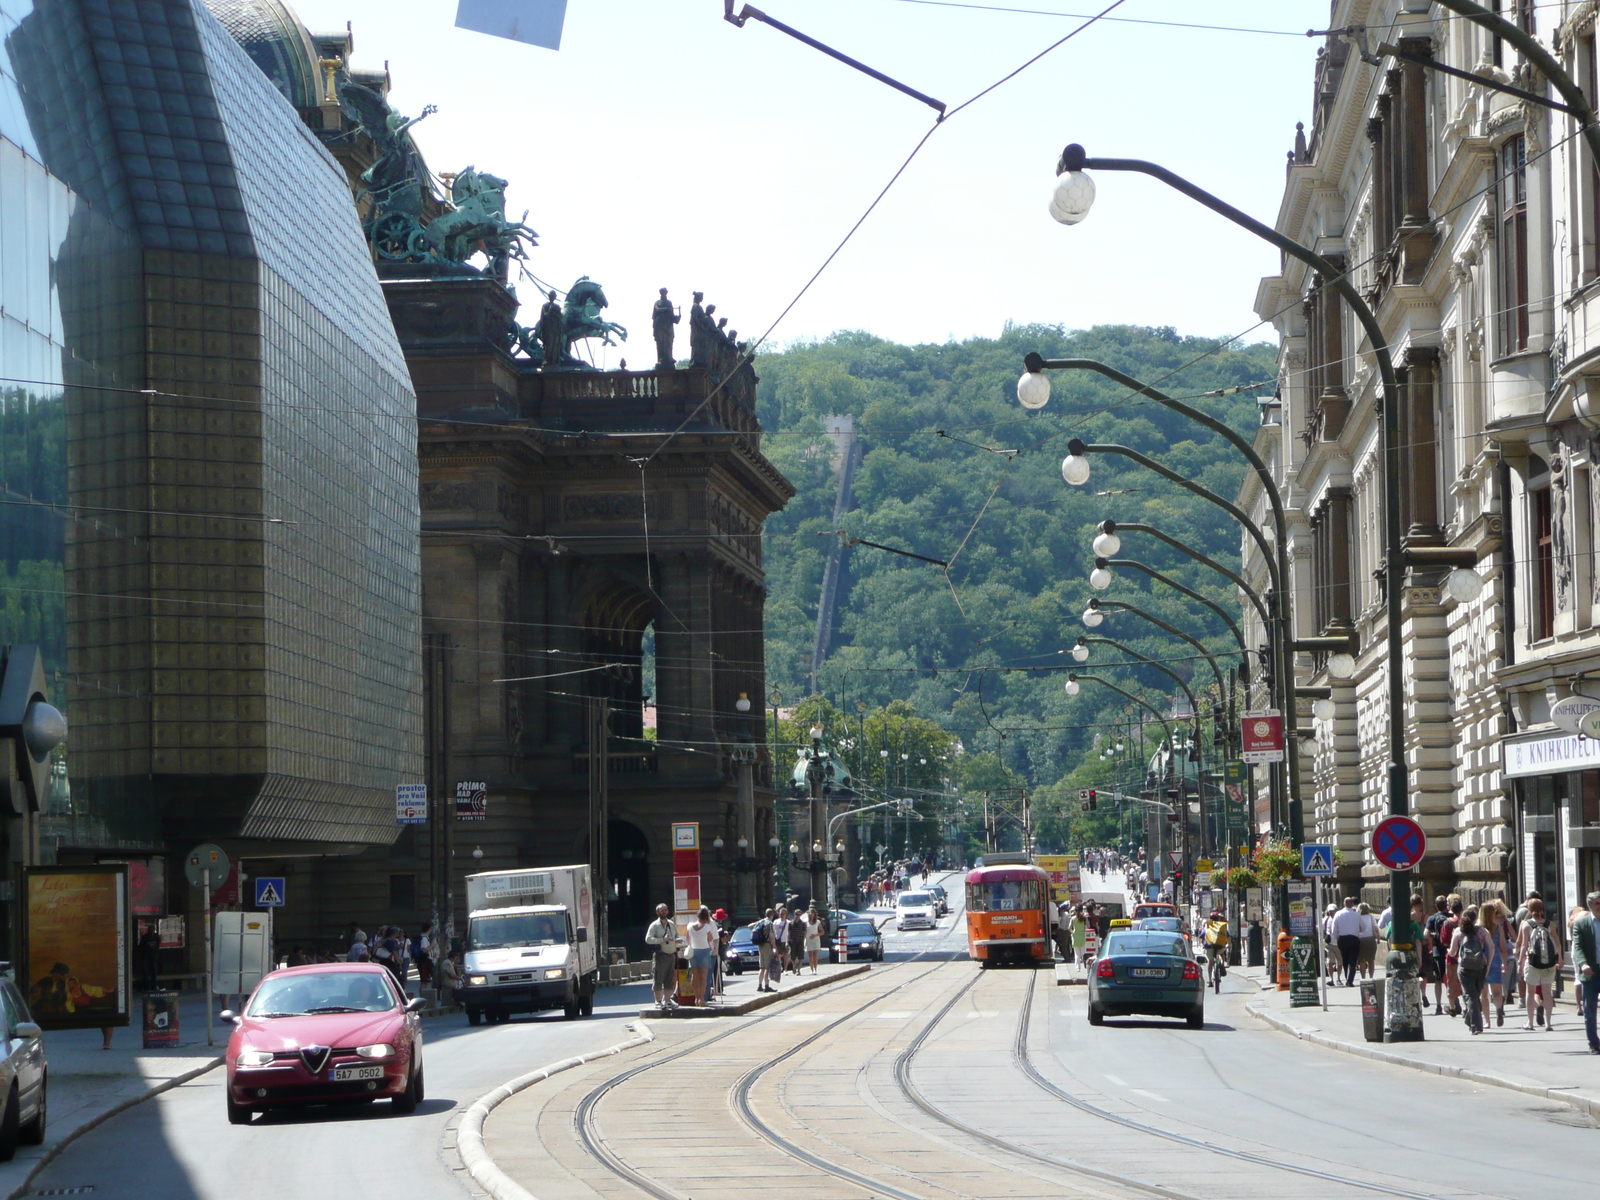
{"x": 380, "y": 1050}
{"x": 477, "y": 980}
{"x": 253, "y": 1058}
{"x": 556, "y": 973}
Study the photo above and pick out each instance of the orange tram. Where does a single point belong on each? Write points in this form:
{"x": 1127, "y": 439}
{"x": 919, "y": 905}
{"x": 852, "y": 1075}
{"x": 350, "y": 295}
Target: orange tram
{"x": 1008, "y": 918}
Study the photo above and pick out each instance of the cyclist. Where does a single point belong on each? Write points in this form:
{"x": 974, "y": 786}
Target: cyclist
{"x": 1216, "y": 936}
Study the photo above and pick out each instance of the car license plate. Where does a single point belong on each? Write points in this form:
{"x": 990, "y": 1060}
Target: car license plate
{"x": 346, "y": 1074}
{"x": 1149, "y": 972}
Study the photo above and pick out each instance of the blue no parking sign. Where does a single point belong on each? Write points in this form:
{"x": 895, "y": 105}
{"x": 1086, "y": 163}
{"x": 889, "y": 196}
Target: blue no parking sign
{"x": 269, "y": 891}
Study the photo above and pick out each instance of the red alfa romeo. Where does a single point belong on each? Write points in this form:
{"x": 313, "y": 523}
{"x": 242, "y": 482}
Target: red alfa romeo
{"x": 333, "y": 1033}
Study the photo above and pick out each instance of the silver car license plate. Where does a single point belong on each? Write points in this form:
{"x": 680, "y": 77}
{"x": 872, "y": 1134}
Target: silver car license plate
{"x": 346, "y": 1074}
{"x": 1149, "y": 972}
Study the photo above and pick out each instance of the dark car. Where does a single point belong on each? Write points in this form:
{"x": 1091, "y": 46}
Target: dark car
{"x": 742, "y": 952}
{"x": 942, "y": 896}
{"x": 865, "y": 942}
{"x": 1146, "y": 972}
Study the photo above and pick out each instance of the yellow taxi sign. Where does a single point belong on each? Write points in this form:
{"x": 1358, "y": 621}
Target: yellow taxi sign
{"x": 1120, "y": 923}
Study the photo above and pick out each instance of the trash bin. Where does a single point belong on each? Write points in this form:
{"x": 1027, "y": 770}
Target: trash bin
{"x": 160, "y": 1020}
{"x": 1372, "y": 1009}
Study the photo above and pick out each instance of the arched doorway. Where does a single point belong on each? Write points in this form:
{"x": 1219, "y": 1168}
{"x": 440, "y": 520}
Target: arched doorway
{"x": 628, "y": 865}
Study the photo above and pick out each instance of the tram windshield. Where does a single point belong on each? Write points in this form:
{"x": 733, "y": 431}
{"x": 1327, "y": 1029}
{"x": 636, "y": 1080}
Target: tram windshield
{"x": 1009, "y": 895}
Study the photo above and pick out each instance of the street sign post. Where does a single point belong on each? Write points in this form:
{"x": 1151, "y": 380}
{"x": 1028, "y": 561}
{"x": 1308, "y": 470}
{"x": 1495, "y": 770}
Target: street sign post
{"x": 269, "y": 891}
{"x": 1177, "y": 859}
{"x": 1316, "y": 860}
{"x": 207, "y": 864}
{"x": 1398, "y": 843}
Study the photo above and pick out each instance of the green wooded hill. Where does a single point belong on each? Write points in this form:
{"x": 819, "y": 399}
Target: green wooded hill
{"x": 933, "y": 420}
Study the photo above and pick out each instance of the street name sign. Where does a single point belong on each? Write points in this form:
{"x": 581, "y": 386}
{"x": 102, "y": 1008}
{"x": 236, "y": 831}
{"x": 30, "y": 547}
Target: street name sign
{"x": 269, "y": 891}
{"x": 1316, "y": 859}
{"x": 1398, "y": 843}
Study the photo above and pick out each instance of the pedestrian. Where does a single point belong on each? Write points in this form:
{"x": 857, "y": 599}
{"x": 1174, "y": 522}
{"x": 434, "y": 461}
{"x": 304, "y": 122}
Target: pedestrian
{"x": 662, "y": 938}
{"x": 1347, "y": 934}
{"x": 1586, "y": 966}
{"x": 702, "y": 936}
{"x": 1472, "y": 954}
{"x": 358, "y": 948}
{"x": 450, "y": 973}
{"x": 353, "y": 935}
{"x": 797, "y": 941}
{"x": 1452, "y": 972}
{"x": 1492, "y": 919}
{"x": 423, "y": 953}
{"x": 780, "y": 938}
{"x": 813, "y": 937}
{"x": 1539, "y": 956}
{"x": 1330, "y": 948}
{"x": 761, "y": 936}
{"x": 150, "y": 956}
{"x": 719, "y": 962}
{"x": 1367, "y": 955}
{"x": 1080, "y": 934}
{"x": 1435, "y": 930}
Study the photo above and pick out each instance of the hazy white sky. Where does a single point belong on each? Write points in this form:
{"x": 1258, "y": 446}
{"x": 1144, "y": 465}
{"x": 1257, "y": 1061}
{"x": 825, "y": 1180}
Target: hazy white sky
{"x": 662, "y": 146}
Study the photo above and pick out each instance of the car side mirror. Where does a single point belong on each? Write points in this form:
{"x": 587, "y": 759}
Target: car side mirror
{"x": 228, "y": 1014}
{"x": 416, "y": 1004}
{"x": 27, "y": 1029}
{"x": 583, "y": 934}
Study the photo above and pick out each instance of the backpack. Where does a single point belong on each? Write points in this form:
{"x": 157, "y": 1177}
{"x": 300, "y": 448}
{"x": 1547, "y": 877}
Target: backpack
{"x": 1541, "y": 946}
{"x": 1473, "y": 956}
{"x": 761, "y": 934}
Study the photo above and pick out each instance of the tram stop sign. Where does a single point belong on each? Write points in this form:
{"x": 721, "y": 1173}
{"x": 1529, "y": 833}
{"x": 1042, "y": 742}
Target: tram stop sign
{"x": 1398, "y": 843}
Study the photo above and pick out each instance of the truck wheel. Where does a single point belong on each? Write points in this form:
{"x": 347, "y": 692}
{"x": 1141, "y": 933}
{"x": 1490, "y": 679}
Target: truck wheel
{"x": 586, "y": 1002}
{"x": 474, "y": 1016}
{"x": 571, "y": 1009}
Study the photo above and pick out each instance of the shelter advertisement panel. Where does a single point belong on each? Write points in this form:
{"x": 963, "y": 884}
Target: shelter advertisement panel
{"x": 75, "y": 946}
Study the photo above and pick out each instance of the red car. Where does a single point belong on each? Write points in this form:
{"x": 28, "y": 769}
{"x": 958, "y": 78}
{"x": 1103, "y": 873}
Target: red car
{"x": 333, "y": 1033}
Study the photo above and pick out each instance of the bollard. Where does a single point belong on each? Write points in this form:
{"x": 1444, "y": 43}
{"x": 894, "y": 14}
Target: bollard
{"x": 1283, "y": 960}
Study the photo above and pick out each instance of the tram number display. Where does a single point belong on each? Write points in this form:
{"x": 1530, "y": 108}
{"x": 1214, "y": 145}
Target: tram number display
{"x": 1005, "y": 905}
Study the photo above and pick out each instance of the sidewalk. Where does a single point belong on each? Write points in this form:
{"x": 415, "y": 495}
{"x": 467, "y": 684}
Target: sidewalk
{"x": 739, "y": 994}
{"x": 1555, "y": 1066}
{"x": 88, "y": 1084}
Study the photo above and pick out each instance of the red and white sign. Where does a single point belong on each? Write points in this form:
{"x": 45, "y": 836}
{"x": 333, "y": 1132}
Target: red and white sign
{"x": 1398, "y": 843}
{"x": 1263, "y": 736}
{"x": 1176, "y": 857}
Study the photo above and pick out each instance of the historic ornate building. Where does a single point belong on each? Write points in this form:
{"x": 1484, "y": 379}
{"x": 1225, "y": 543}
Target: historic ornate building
{"x": 1467, "y": 217}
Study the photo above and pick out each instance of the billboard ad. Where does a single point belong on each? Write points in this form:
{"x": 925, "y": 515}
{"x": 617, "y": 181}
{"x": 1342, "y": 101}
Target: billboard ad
{"x": 75, "y": 946}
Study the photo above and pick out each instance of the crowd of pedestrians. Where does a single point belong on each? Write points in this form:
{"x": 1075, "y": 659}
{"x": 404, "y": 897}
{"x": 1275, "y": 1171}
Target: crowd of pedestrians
{"x": 786, "y": 943}
{"x": 880, "y": 888}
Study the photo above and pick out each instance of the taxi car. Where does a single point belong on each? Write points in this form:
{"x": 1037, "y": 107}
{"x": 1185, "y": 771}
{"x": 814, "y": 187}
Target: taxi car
{"x": 1146, "y": 972}
{"x": 330, "y": 1033}
{"x": 915, "y": 910}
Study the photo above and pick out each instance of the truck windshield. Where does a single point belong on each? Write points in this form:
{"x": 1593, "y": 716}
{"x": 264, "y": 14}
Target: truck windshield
{"x": 516, "y": 929}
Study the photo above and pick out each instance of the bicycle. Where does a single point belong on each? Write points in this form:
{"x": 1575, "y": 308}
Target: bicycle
{"x": 1218, "y": 965}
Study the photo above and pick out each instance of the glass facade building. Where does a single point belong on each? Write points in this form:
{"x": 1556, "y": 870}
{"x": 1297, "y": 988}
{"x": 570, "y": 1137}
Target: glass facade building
{"x": 208, "y": 469}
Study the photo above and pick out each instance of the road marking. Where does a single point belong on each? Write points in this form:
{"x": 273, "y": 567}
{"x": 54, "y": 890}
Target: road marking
{"x": 891, "y": 1016}
{"x": 1151, "y": 1095}
{"x": 970, "y": 1015}
{"x": 1118, "y": 1082}
{"x": 807, "y": 1017}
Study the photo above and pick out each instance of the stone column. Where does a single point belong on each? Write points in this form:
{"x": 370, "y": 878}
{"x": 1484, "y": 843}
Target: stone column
{"x": 1420, "y": 483}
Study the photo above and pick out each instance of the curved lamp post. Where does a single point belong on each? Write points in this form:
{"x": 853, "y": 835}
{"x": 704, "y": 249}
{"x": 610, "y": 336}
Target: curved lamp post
{"x": 1070, "y": 204}
{"x": 1105, "y": 564}
{"x": 1100, "y": 607}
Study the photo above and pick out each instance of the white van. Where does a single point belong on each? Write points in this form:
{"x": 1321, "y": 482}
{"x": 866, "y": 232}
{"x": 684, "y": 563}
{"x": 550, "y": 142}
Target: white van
{"x": 916, "y": 910}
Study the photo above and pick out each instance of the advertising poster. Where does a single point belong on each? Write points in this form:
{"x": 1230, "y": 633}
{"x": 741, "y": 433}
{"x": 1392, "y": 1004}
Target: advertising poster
{"x": 1302, "y": 914}
{"x": 472, "y": 800}
{"x": 75, "y": 939}
{"x": 1059, "y": 868}
{"x": 147, "y": 887}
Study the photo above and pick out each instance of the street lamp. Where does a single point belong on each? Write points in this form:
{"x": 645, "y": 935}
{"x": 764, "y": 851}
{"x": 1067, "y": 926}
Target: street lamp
{"x": 1106, "y": 542}
{"x": 1080, "y": 651}
{"x": 1092, "y": 616}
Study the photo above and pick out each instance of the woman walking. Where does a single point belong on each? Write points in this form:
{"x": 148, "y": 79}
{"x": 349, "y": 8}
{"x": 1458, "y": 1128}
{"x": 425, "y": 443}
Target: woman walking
{"x": 813, "y": 932}
{"x": 797, "y": 941}
{"x": 780, "y": 940}
{"x": 1539, "y": 955}
{"x": 702, "y": 950}
{"x": 1472, "y": 951}
{"x": 1498, "y": 928}
{"x": 1367, "y": 955}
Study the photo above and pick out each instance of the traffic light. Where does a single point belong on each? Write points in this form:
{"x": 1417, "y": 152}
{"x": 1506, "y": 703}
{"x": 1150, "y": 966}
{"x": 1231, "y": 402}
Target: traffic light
{"x": 1093, "y": 800}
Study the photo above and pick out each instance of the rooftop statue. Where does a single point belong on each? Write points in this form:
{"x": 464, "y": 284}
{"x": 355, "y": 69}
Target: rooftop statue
{"x": 399, "y": 187}
{"x": 562, "y": 324}
{"x": 582, "y": 314}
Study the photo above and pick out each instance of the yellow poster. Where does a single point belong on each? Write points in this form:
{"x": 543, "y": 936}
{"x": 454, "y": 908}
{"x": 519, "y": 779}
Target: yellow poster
{"x": 1062, "y": 870}
{"x": 77, "y": 950}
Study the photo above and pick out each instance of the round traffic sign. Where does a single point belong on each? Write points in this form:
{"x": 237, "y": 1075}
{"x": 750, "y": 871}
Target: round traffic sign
{"x": 206, "y": 857}
{"x": 1398, "y": 843}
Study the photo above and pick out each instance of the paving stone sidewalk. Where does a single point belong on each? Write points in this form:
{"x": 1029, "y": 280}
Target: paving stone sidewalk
{"x": 87, "y": 1084}
{"x": 1556, "y": 1065}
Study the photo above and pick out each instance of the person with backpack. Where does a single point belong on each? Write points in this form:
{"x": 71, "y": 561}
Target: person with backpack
{"x": 1472, "y": 954}
{"x": 761, "y": 938}
{"x": 1435, "y": 930}
{"x": 1539, "y": 953}
{"x": 1452, "y": 977}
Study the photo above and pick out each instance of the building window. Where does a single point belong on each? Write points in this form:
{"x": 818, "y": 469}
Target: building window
{"x": 402, "y": 892}
{"x": 1541, "y": 596}
{"x": 1588, "y": 203}
{"x": 1513, "y": 172}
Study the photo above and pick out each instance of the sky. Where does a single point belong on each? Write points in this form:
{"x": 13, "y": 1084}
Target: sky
{"x": 663, "y": 147}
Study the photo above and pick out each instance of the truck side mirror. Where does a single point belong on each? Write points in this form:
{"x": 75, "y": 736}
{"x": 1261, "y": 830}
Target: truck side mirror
{"x": 583, "y": 934}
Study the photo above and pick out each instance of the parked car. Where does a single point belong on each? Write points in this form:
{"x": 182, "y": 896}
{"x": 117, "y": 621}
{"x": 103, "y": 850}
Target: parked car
{"x": 742, "y": 952}
{"x": 915, "y": 910}
{"x": 24, "y": 1075}
{"x": 865, "y": 942}
{"x": 330, "y": 1033}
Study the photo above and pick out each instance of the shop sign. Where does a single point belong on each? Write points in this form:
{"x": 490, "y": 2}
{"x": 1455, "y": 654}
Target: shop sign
{"x": 1577, "y": 714}
{"x": 1550, "y": 755}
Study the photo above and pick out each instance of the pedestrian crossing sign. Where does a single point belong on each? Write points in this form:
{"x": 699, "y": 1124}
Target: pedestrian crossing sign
{"x": 1316, "y": 859}
{"x": 269, "y": 891}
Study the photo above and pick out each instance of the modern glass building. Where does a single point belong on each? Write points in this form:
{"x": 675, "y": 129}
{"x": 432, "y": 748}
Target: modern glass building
{"x": 208, "y": 469}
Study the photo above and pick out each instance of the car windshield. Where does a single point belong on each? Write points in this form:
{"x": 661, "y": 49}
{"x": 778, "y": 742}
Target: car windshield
{"x": 865, "y": 931}
{"x": 741, "y": 936}
{"x": 1141, "y": 942}
{"x": 1164, "y": 924}
{"x": 321, "y": 992}
{"x": 910, "y": 898}
{"x": 516, "y": 929}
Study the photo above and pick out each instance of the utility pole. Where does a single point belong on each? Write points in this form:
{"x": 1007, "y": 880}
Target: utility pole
{"x": 600, "y": 818}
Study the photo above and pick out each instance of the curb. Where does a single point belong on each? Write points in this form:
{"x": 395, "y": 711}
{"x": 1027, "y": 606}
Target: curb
{"x": 1584, "y": 1104}
{"x": 469, "y": 1136}
{"x": 738, "y": 1010}
{"x": 99, "y": 1119}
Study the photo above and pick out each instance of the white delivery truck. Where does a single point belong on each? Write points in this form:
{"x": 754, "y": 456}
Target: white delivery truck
{"x": 530, "y": 943}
